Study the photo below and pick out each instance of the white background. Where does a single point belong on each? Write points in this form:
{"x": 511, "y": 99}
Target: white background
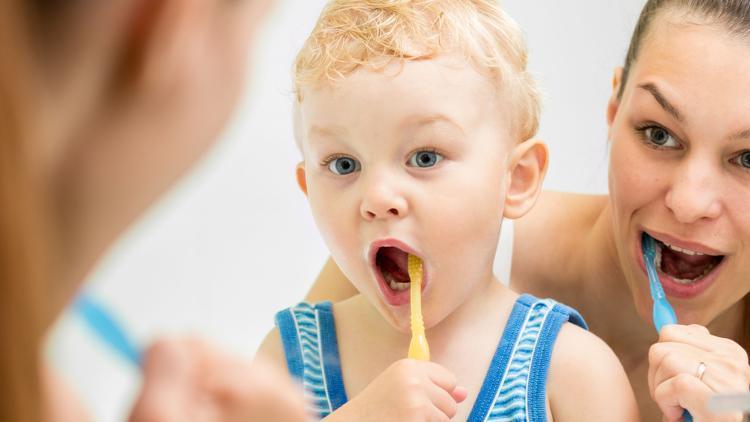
{"x": 234, "y": 241}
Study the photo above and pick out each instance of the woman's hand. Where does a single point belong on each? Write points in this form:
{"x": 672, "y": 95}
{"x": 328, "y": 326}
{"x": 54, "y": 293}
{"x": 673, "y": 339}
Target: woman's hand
{"x": 688, "y": 365}
{"x": 409, "y": 390}
{"x": 190, "y": 380}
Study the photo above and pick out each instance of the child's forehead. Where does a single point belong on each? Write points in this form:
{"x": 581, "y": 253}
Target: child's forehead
{"x": 411, "y": 90}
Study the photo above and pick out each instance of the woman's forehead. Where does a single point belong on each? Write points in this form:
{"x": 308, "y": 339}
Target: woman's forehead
{"x": 694, "y": 66}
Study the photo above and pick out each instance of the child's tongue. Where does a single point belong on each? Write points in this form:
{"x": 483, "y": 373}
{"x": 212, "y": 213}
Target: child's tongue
{"x": 393, "y": 261}
{"x": 684, "y": 266}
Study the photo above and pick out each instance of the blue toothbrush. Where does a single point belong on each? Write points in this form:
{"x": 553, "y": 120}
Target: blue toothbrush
{"x": 663, "y": 313}
{"x": 106, "y": 328}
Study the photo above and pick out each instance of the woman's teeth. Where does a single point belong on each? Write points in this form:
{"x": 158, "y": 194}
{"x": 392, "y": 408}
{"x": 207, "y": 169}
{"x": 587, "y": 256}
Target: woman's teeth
{"x": 395, "y": 285}
{"x": 685, "y": 251}
{"x": 657, "y": 263}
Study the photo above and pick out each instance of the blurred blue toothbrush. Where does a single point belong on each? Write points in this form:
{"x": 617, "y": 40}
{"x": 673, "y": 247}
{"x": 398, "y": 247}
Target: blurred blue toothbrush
{"x": 663, "y": 313}
{"x": 106, "y": 328}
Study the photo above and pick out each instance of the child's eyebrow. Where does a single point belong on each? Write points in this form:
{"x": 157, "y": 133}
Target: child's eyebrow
{"x": 317, "y": 131}
{"x": 421, "y": 120}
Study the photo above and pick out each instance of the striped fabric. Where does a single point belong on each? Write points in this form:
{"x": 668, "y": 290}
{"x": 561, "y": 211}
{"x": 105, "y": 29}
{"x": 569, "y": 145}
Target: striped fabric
{"x": 313, "y": 378}
{"x": 511, "y": 398}
{"x": 515, "y": 385}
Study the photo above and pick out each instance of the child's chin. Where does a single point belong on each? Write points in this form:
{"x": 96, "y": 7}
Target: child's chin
{"x": 400, "y": 321}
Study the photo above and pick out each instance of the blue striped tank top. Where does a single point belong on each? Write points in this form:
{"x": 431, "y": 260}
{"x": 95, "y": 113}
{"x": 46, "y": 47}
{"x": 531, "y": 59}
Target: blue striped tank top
{"x": 513, "y": 389}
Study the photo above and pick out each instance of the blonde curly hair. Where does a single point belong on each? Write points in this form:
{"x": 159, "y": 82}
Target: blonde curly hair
{"x": 362, "y": 33}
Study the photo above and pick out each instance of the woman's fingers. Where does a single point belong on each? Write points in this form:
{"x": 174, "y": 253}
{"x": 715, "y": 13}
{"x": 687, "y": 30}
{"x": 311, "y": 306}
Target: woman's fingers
{"x": 190, "y": 380}
{"x": 688, "y": 365}
{"x": 166, "y": 372}
{"x": 679, "y": 393}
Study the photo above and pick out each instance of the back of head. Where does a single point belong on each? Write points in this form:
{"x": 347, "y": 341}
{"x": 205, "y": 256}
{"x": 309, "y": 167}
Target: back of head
{"x": 22, "y": 309}
{"x": 351, "y": 34}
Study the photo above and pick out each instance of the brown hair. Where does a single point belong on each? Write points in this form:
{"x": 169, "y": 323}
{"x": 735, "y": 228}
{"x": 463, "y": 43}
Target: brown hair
{"x": 24, "y": 313}
{"x": 732, "y": 15}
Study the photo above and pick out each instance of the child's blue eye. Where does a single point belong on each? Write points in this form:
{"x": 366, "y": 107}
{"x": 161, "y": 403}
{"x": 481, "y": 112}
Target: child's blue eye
{"x": 343, "y": 165}
{"x": 743, "y": 159}
{"x": 425, "y": 159}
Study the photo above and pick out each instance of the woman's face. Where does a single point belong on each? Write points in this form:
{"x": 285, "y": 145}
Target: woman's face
{"x": 680, "y": 168}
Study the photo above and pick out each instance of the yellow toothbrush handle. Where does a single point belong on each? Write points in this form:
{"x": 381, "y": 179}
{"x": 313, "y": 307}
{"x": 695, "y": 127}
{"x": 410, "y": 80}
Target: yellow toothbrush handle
{"x": 418, "y": 347}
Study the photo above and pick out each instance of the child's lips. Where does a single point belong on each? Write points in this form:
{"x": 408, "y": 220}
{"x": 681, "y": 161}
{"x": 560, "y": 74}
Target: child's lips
{"x": 391, "y": 296}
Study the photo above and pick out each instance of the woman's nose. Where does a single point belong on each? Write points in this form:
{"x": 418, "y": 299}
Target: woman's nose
{"x": 695, "y": 193}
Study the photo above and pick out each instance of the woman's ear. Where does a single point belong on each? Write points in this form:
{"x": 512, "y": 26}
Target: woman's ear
{"x": 526, "y": 171}
{"x": 614, "y": 99}
{"x": 301, "y": 181}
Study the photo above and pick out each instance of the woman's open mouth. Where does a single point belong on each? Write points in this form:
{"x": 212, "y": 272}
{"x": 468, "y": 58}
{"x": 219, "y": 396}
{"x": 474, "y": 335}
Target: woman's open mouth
{"x": 389, "y": 260}
{"x": 684, "y": 272}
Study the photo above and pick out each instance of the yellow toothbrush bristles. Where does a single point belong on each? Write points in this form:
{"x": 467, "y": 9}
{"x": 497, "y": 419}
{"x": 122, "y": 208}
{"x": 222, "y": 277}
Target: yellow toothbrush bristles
{"x": 418, "y": 348}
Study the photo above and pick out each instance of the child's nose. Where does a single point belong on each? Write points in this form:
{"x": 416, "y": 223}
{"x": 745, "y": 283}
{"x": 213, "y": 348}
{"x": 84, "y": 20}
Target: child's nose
{"x": 383, "y": 201}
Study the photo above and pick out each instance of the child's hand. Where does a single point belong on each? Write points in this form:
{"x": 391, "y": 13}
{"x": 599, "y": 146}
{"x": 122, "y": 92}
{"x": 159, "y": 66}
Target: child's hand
{"x": 190, "y": 380}
{"x": 409, "y": 390}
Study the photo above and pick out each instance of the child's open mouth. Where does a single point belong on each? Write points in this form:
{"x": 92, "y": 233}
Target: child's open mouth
{"x": 392, "y": 264}
{"x": 688, "y": 272}
{"x": 389, "y": 259}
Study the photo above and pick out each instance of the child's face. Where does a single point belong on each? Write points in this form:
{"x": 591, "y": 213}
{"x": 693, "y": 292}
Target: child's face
{"x": 680, "y": 168}
{"x": 413, "y": 161}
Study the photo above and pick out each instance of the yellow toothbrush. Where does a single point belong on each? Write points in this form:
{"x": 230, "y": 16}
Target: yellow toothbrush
{"x": 418, "y": 348}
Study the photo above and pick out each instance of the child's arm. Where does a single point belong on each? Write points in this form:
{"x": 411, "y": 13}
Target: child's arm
{"x": 586, "y": 381}
{"x": 331, "y": 285}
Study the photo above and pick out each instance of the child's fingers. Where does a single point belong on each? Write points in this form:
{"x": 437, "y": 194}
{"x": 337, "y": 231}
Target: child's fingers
{"x": 443, "y": 401}
{"x": 459, "y": 394}
{"x": 441, "y": 377}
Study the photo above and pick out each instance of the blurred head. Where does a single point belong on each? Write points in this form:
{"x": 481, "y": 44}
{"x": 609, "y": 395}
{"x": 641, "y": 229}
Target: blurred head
{"x": 680, "y": 155}
{"x": 415, "y": 121}
{"x": 102, "y": 106}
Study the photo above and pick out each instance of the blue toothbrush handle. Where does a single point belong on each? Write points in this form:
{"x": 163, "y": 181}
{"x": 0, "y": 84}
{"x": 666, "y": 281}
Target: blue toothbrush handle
{"x": 663, "y": 314}
{"x": 107, "y": 328}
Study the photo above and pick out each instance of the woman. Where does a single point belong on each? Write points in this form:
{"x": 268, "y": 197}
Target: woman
{"x": 103, "y": 105}
{"x": 679, "y": 171}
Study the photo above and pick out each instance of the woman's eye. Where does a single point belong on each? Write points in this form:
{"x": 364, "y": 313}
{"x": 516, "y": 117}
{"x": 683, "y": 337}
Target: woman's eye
{"x": 743, "y": 159}
{"x": 343, "y": 165}
{"x": 660, "y": 137}
{"x": 425, "y": 159}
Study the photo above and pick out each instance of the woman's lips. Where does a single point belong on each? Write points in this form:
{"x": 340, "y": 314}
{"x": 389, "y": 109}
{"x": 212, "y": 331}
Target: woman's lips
{"x": 393, "y": 297}
{"x": 672, "y": 287}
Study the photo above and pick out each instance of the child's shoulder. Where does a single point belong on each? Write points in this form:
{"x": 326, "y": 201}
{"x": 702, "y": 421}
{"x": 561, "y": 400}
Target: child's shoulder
{"x": 586, "y": 380}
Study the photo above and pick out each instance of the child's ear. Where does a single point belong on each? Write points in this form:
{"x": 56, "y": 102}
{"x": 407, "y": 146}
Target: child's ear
{"x": 614, "y": 100}
{"x": 301, "y": 180}
{"x": 526, "y": 170}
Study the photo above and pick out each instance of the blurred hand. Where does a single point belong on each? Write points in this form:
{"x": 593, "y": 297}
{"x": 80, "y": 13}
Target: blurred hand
{"x": 688, "y": 365}
{"x": 189, "y": 380}
{"x": 409, "y": 390}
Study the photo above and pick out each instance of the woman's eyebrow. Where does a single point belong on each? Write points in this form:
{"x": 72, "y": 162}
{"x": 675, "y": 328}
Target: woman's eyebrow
{"x": 674, "y": 112}
{"x": 659, "y": 97}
